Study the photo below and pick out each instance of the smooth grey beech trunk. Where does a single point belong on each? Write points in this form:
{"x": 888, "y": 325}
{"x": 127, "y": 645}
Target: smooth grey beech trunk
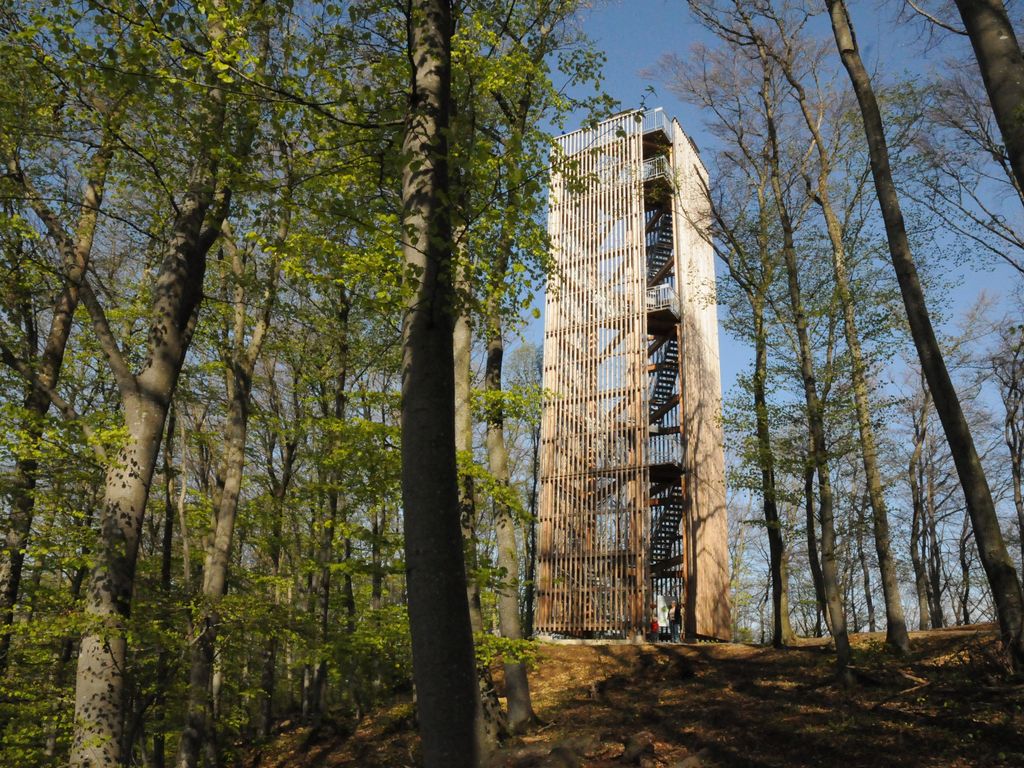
{"x": 1008, "y": 367}
{"x": 896, "y": 636}
{"x": 164, "y": 657}
{"x": 442, "y": 641}
{"x": 782, "y": 630}
{"x": 490, "y": 722}
{"x": 896, "y": 624}
{"x": 75, "y": 250}
{"x": 936, "y": 570}
{"x": 811, "y": 521}
{"x": 815, "y": 415}
{"x": 239, "y": 363}
{"x": 517, "y": 685}
{"x": 279, "y": 485}
{"x": 756, "y": 283}
{"x": 100, "y": 685}
{"x": 914, "y": 478}
{"x": 786, "y": 53}
{"x": 1002, "y": 577}
{"x": 199, "y": 734}
{"x": 1002, "y": 68}
{"x": 865, "y": 571}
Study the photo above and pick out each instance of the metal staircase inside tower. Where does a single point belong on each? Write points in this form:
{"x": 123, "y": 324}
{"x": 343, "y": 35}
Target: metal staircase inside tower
{"x": 664, "y": 398}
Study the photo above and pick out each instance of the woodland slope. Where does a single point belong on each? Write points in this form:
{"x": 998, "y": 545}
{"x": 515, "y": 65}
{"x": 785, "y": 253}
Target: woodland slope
{"x": 685, "y": 706}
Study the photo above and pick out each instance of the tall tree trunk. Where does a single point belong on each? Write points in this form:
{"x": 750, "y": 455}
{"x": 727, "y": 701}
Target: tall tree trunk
{"x": 812, "y": 547}
{"x": 145, "y": 397}
{"x": 100, "y": 681}
{"x": 268, "y": 676}
{"x": 490, "y": 720}
{"x": 920, "y": 572}
{"x": 279, "y": 490}
{"x": 1017, "y": 471}
{"x": 896, "y": 624}
{"x": 517, "y": 686}
{"x": 1008, "y": 367}
{"x": 933, "y": 553}
{"x": 199, "y": 732}
{"x": 819, "y": 454}
{"x": 442, "y": 641}
{"x": 1002, "y": 577}
{"x": 865, "y": 571}
{"x": 462, "y": 351}
{"x": 75, "y": 250}
{"x": 896, "y": 636}
{"x": 337, "y": 509}
{"x": 269, "y": 673}
{"x": 317, "y": 691}
{"x": 531, "y": 538}
{"x": 67, "y": 646}
{"x": 965, "y": 572}
{"x": 815, "y": 416}
{"x": 164, "y": 658}
{"x": 1002, "y": 68}
{"x": 782, "y": 630}
{"x": 917, "y": 541}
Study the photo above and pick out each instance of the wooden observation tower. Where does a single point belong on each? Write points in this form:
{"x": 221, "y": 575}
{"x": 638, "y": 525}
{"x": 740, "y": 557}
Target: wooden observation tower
{"x": 632, "y": 505}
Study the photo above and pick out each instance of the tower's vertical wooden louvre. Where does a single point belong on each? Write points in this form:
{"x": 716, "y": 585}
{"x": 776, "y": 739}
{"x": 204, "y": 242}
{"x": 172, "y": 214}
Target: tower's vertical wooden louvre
{"x": 632, "y": 478}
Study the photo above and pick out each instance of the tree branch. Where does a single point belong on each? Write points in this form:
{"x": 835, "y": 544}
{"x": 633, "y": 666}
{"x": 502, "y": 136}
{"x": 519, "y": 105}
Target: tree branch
{"x": 127, "y": 384}
{"x": 63, "y": 406}
{"x": 937, "y": 22}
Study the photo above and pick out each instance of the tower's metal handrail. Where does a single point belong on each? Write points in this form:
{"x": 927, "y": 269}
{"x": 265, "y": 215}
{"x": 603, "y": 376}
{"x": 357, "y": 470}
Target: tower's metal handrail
{"x": 657, "y": 120}
{"x": 656, "y": 167}
{"x": 615, "y": 128}
{"x": 663, "y": 297}
{"x": 665, "y": 449}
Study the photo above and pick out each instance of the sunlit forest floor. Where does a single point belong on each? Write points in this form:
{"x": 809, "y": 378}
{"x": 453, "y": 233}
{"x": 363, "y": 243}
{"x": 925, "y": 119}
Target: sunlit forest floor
{"x": 693, "y": 706}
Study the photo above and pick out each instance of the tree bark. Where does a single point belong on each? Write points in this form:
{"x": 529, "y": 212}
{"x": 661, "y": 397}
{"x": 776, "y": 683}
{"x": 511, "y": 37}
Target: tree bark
{"x": 896, "y": 624}
{"x": 782, "y": 630}
{"x": 914, "y": 475}
{"x": 531, "y": 540}
{"x": 1002, "y": 577}
{"x": 279, "y": 490}
{"x": 865, "y": 571}
{"x": 146, "y": 396}
{"x": 1008, "y": 367}
{"x": 489, "y": 719}
{"x": 1002, "y": 68}
{"x": 100, "y": 687}
{"x": 933, "y": 553}
{"x": 75, "y": 250}
{"x": 965, "y": 572}
{"x": 337, "y": 509}
{"x": 815, "y": 417}
{"x": 442, "y": 642}
{"x": 896, "y": 636}
{"x": 517, "y": 686}
{"x": 812, "y": 547}
{"x": 163, "y": 662}
{"x": 199, "y": 732}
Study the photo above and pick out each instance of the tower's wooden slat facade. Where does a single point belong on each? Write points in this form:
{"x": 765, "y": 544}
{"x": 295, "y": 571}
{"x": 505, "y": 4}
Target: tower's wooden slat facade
{"x": 632, "y": 481}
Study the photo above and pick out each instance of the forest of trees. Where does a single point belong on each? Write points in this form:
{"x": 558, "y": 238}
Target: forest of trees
{"x": 264, "y": 456}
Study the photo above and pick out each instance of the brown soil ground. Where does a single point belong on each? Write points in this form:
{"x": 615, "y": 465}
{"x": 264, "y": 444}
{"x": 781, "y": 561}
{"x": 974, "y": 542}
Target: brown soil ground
{"x": 950, "y": 703}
